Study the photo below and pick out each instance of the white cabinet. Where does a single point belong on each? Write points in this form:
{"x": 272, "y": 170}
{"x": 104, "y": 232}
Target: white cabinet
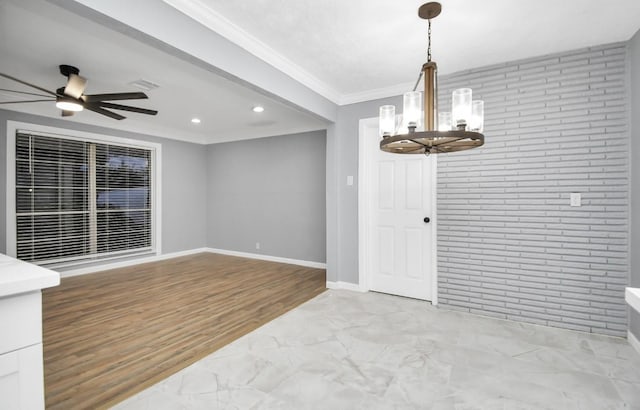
{"x": 632, "y": 296}
{"x": 21, "y": 379}
{"x": 21, "y": 366}
{"x": 20, "y": 320}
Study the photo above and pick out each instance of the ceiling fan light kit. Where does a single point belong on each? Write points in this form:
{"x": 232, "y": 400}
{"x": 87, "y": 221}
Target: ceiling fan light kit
{"x": 68, "y": 104}
{"x": 71, "y": 98}
{"x": 422, "y": 129}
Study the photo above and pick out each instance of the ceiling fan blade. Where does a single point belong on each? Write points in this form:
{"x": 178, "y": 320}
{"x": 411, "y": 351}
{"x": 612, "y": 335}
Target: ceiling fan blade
{"x": 27, "y": 84}
{"x": 75, "y": 86}
{"x": 114, "y": 96}
{"x": 66, "y": 113}
{"x": 27, "y": 101}
{"x": 23, "y": 92}
{"x": 102, "y": 111}
{"x": 125, "y": 108}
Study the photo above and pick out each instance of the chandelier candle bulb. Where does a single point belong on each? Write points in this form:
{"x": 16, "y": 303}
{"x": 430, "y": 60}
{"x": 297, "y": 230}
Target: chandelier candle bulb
{"x": 412, "y": 109}
{"x": 444, "y": 121}
{"x": 477, "y": 116}
{"x": 387, "y": 120}
{"x": 401, "y": 127}
{"x": 461, "y": 107}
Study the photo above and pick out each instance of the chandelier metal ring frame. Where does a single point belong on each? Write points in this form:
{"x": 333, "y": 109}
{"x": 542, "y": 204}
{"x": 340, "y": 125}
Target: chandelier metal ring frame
{"x": 420, "y": 133}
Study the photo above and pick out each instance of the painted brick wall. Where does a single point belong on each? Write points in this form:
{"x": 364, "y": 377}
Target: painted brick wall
{"x": 509, "y": 244}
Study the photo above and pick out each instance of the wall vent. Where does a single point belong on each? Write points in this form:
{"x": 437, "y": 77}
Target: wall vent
{"x": 144, "y": 85}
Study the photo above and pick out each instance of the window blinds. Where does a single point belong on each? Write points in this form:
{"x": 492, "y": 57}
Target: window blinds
{"x": 80, "y": 199}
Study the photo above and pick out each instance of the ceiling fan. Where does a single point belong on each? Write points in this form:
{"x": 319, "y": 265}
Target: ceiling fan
{"x": 71, "y": 98}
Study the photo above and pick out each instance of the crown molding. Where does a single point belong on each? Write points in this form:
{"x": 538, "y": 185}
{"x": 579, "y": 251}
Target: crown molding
{"x": 205, "y": 15}
{"x": 377, "y": 93}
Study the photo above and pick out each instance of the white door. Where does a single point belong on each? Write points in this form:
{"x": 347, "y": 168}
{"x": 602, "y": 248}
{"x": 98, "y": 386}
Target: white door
{"x": 400, "y": 226}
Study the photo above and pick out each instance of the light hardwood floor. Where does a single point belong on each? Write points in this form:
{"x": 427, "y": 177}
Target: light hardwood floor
{"x": 111, "y": 334}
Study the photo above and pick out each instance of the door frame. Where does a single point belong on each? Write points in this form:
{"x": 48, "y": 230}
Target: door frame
{"x": 365, "y": 179}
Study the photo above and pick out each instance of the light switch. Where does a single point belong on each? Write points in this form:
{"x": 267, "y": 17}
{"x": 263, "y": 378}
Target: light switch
{"x": 576, "y": 199}
{"x": 350, "y": 180}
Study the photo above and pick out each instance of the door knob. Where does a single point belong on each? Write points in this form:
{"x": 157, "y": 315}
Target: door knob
{"x": 426, "y": 219}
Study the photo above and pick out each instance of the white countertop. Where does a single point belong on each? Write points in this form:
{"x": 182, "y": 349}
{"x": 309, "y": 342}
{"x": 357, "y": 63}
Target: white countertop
{"x": 632, "y": 296}
{"x": 17, "y": 276}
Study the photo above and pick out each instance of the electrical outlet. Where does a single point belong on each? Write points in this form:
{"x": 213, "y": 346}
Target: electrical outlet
{"x": 257, "y": 245}
{"x": 576, "y": 199}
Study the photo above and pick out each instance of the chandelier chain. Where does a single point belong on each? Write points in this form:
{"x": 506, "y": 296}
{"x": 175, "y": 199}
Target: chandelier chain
{"x": 415, "y": 87}
{"x": 429, "y": 47}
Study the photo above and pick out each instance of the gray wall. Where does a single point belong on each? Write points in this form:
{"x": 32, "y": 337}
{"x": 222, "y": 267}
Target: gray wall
{"x": 345, "y": 153}
{"x": 183, "y": 204}
{"x": 509, "y": 243}
{"x": 271, "y": 191}
{"x": 332, "y": 204}
{"x": 634, "y": 71}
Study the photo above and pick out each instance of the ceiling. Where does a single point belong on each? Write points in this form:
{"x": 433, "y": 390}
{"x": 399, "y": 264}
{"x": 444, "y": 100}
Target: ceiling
{"x": 347, "y": 51}
{"x": 364, "y": 49}
{"x": 36, "y": 37}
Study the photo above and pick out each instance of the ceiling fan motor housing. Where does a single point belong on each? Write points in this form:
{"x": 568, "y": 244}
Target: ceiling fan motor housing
{"x": 67, "y": 70}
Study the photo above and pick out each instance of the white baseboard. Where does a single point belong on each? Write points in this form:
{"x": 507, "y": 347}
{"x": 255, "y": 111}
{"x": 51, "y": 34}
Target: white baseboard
{"x": 131, "y": 262}
{"x": 308, "y": 264}
{"x": 633, "y": 341}
{"x": 155, "y": 258}
{"x": 344, "y": 286}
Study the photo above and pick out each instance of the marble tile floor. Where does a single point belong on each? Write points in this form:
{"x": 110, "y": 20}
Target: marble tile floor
{"x": 347, "y": 350}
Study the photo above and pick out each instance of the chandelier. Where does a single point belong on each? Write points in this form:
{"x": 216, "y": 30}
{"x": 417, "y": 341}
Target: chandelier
{"x": 422, "y": 129}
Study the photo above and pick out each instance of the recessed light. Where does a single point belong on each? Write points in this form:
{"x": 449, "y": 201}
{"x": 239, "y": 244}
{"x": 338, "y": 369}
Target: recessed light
{"x": 258, "y": 108}
{"x": 195, "y": 120}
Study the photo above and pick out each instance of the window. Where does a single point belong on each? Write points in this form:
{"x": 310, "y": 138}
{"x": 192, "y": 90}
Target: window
{"x": 81, "y": 199}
